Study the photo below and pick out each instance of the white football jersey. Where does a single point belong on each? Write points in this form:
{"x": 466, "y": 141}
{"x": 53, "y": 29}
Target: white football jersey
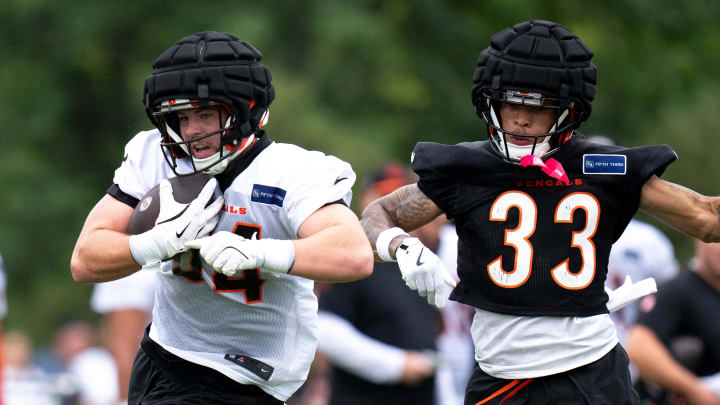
{"x": 260, "y": 328}
{"x": 144, "y": 166}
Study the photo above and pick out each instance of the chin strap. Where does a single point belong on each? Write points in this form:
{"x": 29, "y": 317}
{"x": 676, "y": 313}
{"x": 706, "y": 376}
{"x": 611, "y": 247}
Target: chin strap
{"x": 551, "y": 167}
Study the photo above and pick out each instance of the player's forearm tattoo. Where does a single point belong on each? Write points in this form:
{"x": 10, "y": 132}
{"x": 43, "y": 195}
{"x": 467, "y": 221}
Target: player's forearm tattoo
{"x": 407, "y": 208}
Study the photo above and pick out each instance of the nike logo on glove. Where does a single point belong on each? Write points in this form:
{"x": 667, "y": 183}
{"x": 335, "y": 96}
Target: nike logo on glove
{"x": 418, "y": 262}
{"x": 179, "y": 234}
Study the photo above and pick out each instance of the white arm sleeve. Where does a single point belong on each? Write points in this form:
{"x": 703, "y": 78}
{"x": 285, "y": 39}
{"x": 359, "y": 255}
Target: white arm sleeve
{"x": 358, "y": 354}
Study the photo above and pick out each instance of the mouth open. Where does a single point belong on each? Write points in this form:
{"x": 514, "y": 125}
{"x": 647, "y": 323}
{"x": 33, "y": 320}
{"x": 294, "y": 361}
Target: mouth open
{"x": 202, "y": 152}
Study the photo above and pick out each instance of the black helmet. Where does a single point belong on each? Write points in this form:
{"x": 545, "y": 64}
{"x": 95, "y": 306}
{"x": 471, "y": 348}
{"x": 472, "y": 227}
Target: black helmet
{"x": 536, "y": 63}
{"x": 202, "y": 70}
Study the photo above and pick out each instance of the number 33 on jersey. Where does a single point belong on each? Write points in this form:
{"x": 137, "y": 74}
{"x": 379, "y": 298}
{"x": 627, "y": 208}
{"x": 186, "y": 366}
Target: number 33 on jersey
{"x": 518, "y": 238}
{"x": 530, "y": 244}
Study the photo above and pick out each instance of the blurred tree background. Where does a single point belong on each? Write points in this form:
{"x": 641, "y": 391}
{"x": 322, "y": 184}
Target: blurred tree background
{"x": 361, "y": 79}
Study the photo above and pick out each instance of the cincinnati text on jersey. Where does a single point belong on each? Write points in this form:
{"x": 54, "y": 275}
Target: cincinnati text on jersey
{"x": 547, "y": 183}
{"x": 234, "y": 210}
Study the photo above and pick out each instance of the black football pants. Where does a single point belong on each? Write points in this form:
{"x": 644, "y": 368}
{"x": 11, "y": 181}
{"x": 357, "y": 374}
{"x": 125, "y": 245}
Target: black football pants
{"x": 602, "y": 382}
{"x": 161, "y": 378}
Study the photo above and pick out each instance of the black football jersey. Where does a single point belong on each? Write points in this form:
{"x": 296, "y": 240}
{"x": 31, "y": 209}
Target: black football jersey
{"x": 530, "y": 244}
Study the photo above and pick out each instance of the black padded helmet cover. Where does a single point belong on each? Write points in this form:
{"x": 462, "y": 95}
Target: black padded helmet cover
{"x": 538, "y": 56}
{"x": 213, "y": 66}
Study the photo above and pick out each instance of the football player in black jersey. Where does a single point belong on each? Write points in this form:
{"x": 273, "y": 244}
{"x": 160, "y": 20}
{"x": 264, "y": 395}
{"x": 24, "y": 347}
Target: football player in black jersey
{"x": 676, "y": 316}
{"x": 537, "y": 209}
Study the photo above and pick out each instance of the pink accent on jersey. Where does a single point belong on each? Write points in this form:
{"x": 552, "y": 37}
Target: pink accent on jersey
{"x": 551, "y": 167}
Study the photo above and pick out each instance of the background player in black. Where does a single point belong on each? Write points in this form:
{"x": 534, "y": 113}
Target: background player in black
{"x": 537, "y": 209}
{"x": 685, "y": 306}
{"x": 375, "y": 331}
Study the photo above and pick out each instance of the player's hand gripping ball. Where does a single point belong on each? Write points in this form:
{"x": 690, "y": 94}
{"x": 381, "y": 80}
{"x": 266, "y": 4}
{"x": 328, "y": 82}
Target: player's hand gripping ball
{"x": 184, "y": 189}
{"x": 174, "y": 223}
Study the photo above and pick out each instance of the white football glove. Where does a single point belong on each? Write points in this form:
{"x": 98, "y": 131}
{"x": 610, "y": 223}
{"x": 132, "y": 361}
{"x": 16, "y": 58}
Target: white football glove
{"x": 230, "y": 254}
{"x": 423, "y": 271}
{"x": 176, "y": 224}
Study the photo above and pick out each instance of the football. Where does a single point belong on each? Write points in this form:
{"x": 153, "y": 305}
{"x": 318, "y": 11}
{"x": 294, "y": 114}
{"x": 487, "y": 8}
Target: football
{"x": 185, "y": 189}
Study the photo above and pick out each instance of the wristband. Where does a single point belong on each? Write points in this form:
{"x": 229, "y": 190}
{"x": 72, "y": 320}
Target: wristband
{"x": 382, "y": 244}
{"x": 278, "y": 255}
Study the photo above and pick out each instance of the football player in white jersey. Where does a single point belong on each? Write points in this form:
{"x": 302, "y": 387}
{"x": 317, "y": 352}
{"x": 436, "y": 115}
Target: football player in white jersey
{"x": 536, "y": 210}
{"x": 234, "y": 318}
